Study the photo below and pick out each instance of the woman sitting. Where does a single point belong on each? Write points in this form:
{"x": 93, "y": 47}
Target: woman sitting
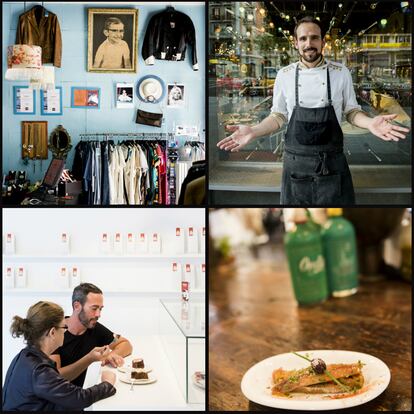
{"x": 32, "y": 380}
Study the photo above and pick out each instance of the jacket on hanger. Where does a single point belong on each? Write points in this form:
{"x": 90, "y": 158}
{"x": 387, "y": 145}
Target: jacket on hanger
{"x": 40, "y": 27}
{"x": 167, "y": 36}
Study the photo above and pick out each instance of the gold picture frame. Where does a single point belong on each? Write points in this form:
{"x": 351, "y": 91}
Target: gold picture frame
{"x": 112, "y": 40}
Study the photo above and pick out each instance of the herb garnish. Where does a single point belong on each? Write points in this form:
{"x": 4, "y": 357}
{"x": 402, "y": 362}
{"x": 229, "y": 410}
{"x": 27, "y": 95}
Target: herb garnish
{"x": 344, "y": 387}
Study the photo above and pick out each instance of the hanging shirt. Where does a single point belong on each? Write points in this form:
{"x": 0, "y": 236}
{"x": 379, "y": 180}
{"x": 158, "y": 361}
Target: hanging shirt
{"x": 113, "y": 162}
{"x": 312, "y": 89}
{"x": 119, "y": 177}
{"x": 42, "y": 30}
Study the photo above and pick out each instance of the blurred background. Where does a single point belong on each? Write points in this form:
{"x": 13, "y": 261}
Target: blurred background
{"x": 283, "y": 280}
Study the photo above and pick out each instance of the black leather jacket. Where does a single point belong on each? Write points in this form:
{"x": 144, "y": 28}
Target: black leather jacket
{"x": 167, "y": 36}
{"x": 34, "y": 384}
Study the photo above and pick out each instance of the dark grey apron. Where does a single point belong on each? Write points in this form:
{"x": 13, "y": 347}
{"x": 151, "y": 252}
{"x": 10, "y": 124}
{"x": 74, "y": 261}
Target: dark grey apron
{"x": 315, "y": 170}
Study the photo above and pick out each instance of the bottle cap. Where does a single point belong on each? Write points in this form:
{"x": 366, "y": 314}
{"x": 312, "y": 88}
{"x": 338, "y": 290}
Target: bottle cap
{"x": 334, "y": 212}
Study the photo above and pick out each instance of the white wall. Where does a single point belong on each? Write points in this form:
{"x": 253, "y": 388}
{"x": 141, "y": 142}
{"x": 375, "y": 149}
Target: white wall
{"x": 132, "y": 287}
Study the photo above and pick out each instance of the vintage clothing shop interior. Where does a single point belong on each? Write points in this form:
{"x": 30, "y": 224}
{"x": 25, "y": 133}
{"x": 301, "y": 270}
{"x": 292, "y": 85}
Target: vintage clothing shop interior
{"x": 103, "y": 103}
{"x": 150, "y": 266}
{"x": 252, "y": 43}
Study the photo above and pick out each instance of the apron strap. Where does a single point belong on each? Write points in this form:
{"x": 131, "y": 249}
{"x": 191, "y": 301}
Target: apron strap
{"x": 329, "y": 85}
{"x": 296, "y": 85}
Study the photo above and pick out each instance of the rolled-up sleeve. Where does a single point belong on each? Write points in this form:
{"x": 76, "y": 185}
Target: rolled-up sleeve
{"x": 279, "y": 98}
{"x": 49, "y": 385}
{"x": 349, "y": 99}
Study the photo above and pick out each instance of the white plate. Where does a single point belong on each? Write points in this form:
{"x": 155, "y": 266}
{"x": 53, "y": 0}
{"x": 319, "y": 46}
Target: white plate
{"x": 256, "y": 384}
{"x": 126, "y": 377}
{"x": 198, "y": 381}
{"x": 128, "y": 368}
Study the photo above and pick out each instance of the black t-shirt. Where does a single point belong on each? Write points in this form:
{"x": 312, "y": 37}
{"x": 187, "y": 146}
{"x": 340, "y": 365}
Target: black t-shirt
{"x": 77, "y": 346}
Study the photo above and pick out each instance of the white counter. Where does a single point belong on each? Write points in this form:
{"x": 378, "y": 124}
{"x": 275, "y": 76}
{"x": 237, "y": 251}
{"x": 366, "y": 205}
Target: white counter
{"x": 162, "y": 395}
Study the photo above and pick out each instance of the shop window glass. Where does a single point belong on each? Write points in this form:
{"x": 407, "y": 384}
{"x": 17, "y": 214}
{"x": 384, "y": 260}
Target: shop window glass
{"x": 246, "y": 53}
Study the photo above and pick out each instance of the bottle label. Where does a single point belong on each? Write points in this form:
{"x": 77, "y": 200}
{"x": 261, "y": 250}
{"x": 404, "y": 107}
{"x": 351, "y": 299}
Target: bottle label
{"x": 312, "y": 267}
{"x": 177, "y": 232}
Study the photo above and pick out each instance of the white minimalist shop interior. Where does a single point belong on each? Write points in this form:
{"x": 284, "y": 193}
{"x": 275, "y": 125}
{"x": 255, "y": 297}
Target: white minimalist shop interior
{"x": 150, "y": 266}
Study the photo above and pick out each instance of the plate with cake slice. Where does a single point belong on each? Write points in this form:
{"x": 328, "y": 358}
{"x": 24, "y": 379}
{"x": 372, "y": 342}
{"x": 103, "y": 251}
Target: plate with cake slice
{"x": 137, "y": 377}
{"x": 137, "y": 363}
{"x": 316, "y": 380}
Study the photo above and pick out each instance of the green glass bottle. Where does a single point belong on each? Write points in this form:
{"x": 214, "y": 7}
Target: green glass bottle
{"x": 304, "y": 252}
{"x": 339, "y": 247}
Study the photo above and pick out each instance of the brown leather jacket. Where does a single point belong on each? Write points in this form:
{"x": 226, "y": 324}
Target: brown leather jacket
{"x": 43, "y": 32}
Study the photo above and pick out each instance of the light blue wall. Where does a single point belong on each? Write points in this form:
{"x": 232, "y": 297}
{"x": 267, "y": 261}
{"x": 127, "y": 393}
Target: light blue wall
{"x": 74, "y": 28}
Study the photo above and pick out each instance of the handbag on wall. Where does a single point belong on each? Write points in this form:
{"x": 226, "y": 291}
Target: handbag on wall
{"x": 149, "y": 118}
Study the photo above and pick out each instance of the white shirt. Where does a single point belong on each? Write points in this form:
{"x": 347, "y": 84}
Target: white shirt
{"x": 312, "y": 87}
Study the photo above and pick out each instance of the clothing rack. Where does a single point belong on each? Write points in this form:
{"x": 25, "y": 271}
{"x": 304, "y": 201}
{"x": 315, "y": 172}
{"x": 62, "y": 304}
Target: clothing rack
{"x": 160, "y": 136}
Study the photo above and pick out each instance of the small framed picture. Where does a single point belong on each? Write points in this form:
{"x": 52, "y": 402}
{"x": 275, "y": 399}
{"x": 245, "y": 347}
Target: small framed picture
{"x": 124, "y": 95}
{"x": 85, "y": 97}
{"x": 51, "y": 101}
{"x": 175, "y": 95}
{"x": 24, "y": 100}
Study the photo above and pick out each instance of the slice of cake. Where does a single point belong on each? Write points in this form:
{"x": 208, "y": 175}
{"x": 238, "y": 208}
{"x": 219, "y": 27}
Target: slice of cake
{"x": 139, "y": 375}
{"x": 138, "y": 363}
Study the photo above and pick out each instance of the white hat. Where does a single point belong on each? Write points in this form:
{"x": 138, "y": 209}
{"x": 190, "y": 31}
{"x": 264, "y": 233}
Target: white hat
{"x": 151, "y": 89}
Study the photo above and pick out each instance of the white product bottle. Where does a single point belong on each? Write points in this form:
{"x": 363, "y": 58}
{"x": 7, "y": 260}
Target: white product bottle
{"x": 10, "y": 245}
{"x": 179, "y": 241}
{"x": 155, "y": 245}
{"x": 176, "y": 276}
{"x": 105, "y": 243}
{"x": 9, "y": 278}
{"x": 75, "y": 279}
{"x": 142, "y": 243}
{"x": 202, "y": 240}
{"x": 63, "y": 275}
{"x": 21, "y": 277}
{"x": 64, "y": 243}
{"x": 192, "y": 242}
{"x": 188, "y": 275}
{"x": 130, "y": 243}
{"x": 118, "y": 244}
{"x": 201, "y": 276}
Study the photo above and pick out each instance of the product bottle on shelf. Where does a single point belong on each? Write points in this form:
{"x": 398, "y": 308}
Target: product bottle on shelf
{"x": 179, "y": 241}
{"x": 187, "y": 282}
{"x": 130, "y": 243}
{"x": 304, "y": 252}
{"x": 142, "y": 243}
{"x": 64, "y": 243}
{"x": 9, "y": 278}
{"x": 192, "y": 243}
{"x": 202, "y": 239}
{"x": 339, "y": 246}
{"x": 75, "y": 277}
{"x": 10, "y": 244}
{"x": 176, "y": 276}
{"x": 155, "y": 244}
{"x": 105, "y": 243}
{"x": 21, "y": 278}
{"x": 118, "y": 243}
{"x": 64, "y": 277}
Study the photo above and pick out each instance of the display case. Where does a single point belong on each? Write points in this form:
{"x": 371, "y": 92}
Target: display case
{"x": 182, "y": 333}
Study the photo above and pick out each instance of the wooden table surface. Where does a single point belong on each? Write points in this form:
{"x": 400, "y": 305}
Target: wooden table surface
{"x": 253, "y": 315}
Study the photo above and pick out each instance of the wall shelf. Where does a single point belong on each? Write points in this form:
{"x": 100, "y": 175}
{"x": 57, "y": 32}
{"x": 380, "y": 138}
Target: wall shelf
{"x": 106, "y": 258}
{"x": 21, "y": 291}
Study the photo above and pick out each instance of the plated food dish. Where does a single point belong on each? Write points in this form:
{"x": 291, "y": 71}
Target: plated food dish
{"x": 316, "y": 380}
{"x": 126, "y": 377}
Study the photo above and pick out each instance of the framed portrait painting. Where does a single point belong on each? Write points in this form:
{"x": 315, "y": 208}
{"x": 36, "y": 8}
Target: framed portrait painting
{"x": 112, "y": 40}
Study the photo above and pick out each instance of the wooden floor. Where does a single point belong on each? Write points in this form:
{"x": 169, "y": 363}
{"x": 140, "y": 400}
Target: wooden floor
{"x": 253, "y": 315}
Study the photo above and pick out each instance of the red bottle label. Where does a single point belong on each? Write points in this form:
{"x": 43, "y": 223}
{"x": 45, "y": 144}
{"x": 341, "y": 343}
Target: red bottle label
{"x": 177, "y": 232}
{"x": 190, "y": 231}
